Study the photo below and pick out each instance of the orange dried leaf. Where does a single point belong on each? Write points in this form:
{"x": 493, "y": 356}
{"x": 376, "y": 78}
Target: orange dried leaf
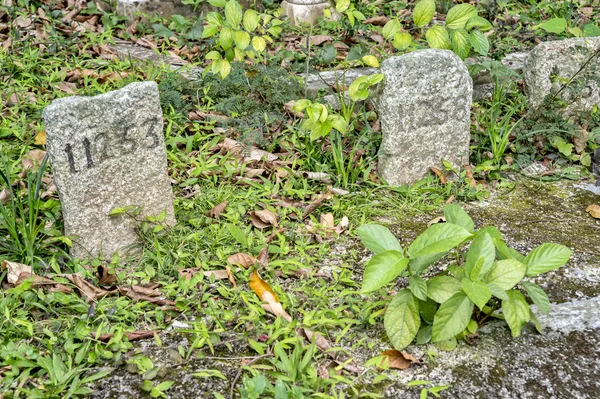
{"x": 594, "y": 211}
{"x": 260, "y": 287}
{"x": 396, "y": 359}
{"x": 40, "y": 138}
{"x": 440, "y": 175}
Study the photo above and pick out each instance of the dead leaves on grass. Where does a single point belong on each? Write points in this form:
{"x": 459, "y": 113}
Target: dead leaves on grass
{"x": 266, "y": 294}
{"x": 395, "y": 359}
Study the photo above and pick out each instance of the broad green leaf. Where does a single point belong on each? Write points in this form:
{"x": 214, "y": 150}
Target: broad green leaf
{"x": 209, "y": 31}
{"x": 223, "y": 67}
{"x": 241, "y": 39}
{"x": 554, "y": 25}
{"x": 442, "y": 288}
{"x": 477, "y": 292}
{"x": 378, "y": 238}
{"x": 427, "y": 310}
{"x": 342, "y": 5}
{"x": 479, "y": 42}
{"x": 218, "y": 3}
{"x": 538, "y": 296}
{"x": 482, "y": 246}
{"x": 516, "y": 311}
{"x": 536, "y": 322}
{"x": 437, "y": 37}
{"x": 504, "y": 252}
{"x": 383, "y": 268}
{"x": 233, "y": 13}
{"x": 259, "y": 43}
{"x": 505, "y": 274}
{"x": 455, "y": 214}
{"x": 371, "y": 61}
{"x": 461, "y": 44}
{"x": 479, "y": 23}
{"x": 459, "y": 15}
{"x": 402, "y": 320}
{"x": 497, "y": 291}
{"x": 390, "y": 29}
{"x": 447, "y": 345}
{"x": 338, "y": 123}
{"x": 440, "y": 237}
{"x": 457, "y": 271}
{"x": 424, "y": 335}
{"x": 250, "y": 20}
{"x": 546, "y": 257}
{"x": 591, "y": 30}
{"x": 226, "y": 38}
{"x": 575, "y": 31}
{"x": 418, "y": 287}
{"x": 213, "y": 55}
{"x": 163, "y": 31}
{"x": 421, "y": 263}
{"x": 452, "y": 317}
{"x": 423, "y": 12}
{"x": 402, "y": 41}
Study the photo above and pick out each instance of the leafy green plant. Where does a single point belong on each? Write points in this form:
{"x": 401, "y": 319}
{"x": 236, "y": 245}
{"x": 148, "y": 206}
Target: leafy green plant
{"x": 321, "y": 121}
{"x": 477, "y": 284}
{"x": 240, "y": 34}
{"x": 560, "y": 26}
{"x": 461, "y": 32}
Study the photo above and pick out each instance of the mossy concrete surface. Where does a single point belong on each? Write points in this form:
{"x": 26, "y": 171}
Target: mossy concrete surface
{"x": 563, "y": 362}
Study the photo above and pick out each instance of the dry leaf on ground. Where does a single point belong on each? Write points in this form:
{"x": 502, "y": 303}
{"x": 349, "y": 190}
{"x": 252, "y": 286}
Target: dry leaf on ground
{"x": 67, "y": 87}
{"x": 87, "y": 290}
{"x": 242, "y": 259}
{"x": 140, "y": 293}
{"x": 14, "y": 269}
{"x": 440, "y": 175}
{"x": 311, "y": 336}
{"x": 439, "y": 219}
{"x": 42, "y": 282}
{"x": 594, "y": 210}
{"x": 263, "y": 219}
{"x": 316, "y": 203}
{"x": 105, "y": 277}
{"x": 396, "y": 360}
{"x": 267, "y": 295}
{"x": 40, "y": 138}
{"x": 216, "y": 211}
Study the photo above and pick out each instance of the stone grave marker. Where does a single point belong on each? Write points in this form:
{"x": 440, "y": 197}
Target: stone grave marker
{"x": 108, "y": 152}
{"x": 424, "y": 106}
{"x": 569, "y": 67}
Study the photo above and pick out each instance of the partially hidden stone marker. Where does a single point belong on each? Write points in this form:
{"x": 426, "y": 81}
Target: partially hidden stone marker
{"x": 424, "y": 107}
{"x": 567, "y": 69}
{"x": 108, "y": 152}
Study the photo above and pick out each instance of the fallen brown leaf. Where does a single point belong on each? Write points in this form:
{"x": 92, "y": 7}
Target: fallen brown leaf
{"x": 14, "y": 269}
{"x": 136, "y": 292}
{"x": 67, "y": 87}
{"x": 440, "y": 175}
{"x": 42, "y": 282}
{"x": 87, "y": 289}
{"x": 594, "y": 211}
{"x": 263, "y": 219}
{"x": 263, "y": 256}
{"x": 316, "y": 203}
{"x": 105, "y": 277}
{"x": 396, "y": 360}
{"x": 242, "y": 259}
{"x": 380, "y": 20}
{"x": 311, "y": 336}
{"x": 439, "y": 219}
{"x": 217, "y": 210}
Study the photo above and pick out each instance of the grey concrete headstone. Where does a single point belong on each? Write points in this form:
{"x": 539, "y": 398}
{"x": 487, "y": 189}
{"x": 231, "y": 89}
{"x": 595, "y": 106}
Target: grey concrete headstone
{"x": 551, "y": 65}
{"x": 108, "y": 152}
{"x": 424, "y": 106}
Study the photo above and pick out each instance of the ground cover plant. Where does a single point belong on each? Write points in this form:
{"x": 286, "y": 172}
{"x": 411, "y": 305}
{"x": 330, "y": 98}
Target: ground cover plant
{"x": 272, "y": 186}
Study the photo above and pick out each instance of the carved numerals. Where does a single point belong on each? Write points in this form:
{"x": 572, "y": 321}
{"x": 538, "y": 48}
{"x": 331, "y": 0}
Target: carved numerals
{"x": 108, "y": 145}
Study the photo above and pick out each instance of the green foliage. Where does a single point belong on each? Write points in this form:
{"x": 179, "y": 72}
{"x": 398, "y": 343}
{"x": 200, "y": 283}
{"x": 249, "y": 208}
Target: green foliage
{"x": 238, "y": 35}
{"x": 483, "y": 279}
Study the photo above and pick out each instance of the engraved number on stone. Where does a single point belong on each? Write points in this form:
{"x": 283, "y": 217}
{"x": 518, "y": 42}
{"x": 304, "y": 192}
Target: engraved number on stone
{"x": 88, "y": 153}
{"x": 70, "y": 158}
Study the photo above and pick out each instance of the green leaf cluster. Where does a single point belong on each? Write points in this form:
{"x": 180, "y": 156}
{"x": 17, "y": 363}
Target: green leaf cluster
{"x": 485, "y": 278}
{"x": 238, "y": 34}
{"x": 461, "y": 32}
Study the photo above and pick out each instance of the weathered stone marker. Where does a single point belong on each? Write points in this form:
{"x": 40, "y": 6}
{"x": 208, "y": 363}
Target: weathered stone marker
{"x": 571, "y": 66}
{"x": 424, "y": 107}
{"x": 108, "y": 152}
